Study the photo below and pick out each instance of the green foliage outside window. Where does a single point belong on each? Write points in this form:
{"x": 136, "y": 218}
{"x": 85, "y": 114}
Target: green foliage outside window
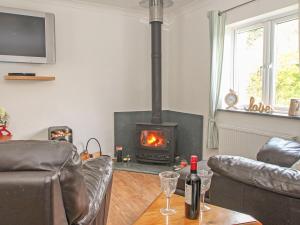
{"x": 255, "y": 85}
{"x": 287, "y": 82}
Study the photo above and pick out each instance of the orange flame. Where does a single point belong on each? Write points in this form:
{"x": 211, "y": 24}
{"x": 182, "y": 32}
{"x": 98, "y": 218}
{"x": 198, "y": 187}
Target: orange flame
{"x": 153, "y": 138}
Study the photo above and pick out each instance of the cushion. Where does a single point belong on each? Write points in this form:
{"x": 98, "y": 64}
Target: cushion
{"x": 280, "y": 152}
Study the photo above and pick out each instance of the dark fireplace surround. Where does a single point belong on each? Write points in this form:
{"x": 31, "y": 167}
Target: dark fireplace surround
{"x": 188, "y": 134}
{"x": 156, "y": 140}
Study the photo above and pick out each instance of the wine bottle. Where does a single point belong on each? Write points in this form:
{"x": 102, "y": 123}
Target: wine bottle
{"x": 192, "y": 191}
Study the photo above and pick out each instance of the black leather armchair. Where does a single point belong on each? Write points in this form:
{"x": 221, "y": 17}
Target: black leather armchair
{"x": 45, "y": 183}
{"x": 267, "y": 189}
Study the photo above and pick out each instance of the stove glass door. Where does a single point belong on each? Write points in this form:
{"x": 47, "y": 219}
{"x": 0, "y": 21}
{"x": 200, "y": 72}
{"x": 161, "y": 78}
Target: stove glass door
{"x": 155, "y": 139}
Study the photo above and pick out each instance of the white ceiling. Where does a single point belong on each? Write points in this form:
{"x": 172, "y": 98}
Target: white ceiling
{"x": 134, "y": 4}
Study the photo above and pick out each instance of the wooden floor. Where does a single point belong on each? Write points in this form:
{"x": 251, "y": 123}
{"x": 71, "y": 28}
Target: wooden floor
{"x": 131, "y": 194}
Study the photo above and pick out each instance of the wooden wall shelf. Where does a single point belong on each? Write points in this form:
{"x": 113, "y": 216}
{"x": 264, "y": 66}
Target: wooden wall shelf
{"x": 33, "y": 78}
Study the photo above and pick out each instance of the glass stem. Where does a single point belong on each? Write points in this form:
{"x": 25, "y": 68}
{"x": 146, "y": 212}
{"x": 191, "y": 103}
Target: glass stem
{"x": 202, "y": 198}
{"x": 168, "y": 203}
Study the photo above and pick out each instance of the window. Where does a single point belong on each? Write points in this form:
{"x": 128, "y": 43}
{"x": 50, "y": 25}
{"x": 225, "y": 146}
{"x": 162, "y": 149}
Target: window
{"x": 265, "y": 61}
{"x": 247, "y": 73}
{"x": 286, "y": 62}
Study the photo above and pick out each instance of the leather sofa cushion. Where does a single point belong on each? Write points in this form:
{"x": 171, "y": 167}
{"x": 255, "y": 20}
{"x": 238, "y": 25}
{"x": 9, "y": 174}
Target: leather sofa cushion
{"x": 270, "y": 177}
{"x": 60, "y": 157}
{"x": 280, "y": 152}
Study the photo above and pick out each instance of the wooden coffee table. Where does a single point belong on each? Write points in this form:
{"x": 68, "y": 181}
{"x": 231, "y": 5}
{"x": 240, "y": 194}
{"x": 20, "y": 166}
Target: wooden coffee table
{"x": 216, "y": 216}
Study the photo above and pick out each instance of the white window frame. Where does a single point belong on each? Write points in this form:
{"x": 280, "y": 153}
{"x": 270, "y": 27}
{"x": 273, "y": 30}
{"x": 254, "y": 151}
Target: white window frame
{"x": 268, "y": 68}
{"x": 273, "y": 71}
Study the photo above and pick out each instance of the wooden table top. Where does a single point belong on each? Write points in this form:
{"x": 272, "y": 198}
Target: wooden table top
{"x": 215, "y": 216}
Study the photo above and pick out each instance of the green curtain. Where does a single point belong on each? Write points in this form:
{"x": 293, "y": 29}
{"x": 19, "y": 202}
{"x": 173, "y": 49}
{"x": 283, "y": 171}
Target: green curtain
{"x": 217, "y": 36}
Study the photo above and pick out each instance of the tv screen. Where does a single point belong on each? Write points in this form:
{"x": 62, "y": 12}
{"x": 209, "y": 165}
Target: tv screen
{"x": 26, "y": 36}
{"x": 22, "y": 35}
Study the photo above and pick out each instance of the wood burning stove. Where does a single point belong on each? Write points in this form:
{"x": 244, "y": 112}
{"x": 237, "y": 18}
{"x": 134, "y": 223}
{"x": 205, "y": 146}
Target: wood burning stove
{"x": 156, "y": 143}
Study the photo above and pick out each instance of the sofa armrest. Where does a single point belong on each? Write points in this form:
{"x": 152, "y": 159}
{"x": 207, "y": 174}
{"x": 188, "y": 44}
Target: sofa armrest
{"x": 60, "y": 157}
{"x": 31, "y": 198}
{"x": 270, "y": 177}
{"x": 98, "y": 176}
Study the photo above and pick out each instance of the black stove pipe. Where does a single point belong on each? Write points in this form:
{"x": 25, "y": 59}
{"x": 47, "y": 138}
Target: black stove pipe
{"x": 156, "y": 72}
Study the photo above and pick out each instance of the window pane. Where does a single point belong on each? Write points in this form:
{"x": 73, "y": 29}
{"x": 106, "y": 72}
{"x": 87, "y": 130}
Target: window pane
{"x": 287, "y": 81}
{"x": 248, "y": 62}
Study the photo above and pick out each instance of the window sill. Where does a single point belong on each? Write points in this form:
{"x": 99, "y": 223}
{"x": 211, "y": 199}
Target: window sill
{"x": 274, "y": 114}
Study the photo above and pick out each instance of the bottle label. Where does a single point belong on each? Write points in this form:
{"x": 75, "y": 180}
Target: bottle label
{"x": 188, "y": 194}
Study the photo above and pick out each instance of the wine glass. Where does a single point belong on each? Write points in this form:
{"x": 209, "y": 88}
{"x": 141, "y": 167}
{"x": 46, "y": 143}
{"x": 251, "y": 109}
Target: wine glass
{"x": 168, "y": 183}
{"x": 205, "y": 176}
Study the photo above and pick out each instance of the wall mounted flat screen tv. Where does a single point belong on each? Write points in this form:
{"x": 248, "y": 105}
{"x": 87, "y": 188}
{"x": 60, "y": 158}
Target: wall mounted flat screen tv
{"x": 26, "y": 36}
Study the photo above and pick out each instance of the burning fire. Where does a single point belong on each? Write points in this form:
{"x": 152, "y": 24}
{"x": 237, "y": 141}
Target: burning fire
{"x": 152, "y": 138}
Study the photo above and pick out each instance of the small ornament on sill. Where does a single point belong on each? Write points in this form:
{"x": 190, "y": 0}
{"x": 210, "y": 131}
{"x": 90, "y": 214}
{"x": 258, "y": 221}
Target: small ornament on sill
{"x": 294, "y": 109}
{"x": 259, "y": 107}
{"x": 231, "y": 99}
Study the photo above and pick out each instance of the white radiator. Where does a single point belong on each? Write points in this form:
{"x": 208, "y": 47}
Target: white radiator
{"x": 244, "y": 142}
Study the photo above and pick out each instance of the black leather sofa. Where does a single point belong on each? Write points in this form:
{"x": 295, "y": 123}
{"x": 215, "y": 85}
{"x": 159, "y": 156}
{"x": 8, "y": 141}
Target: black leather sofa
{"x": 266, "y": 188}
{"x": 45, "y": 183}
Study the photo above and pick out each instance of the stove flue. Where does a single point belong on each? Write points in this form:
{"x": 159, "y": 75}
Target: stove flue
{"x": 156, "y": 12}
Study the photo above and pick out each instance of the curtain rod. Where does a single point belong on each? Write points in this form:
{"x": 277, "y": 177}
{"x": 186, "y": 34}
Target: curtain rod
{"x": 238, "y": 6}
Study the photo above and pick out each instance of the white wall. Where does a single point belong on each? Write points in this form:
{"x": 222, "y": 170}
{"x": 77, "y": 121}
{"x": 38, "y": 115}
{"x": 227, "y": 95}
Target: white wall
{"x": 103, "y": 53}
{"x": 190, "y": 64}
{"x": 102, "y": 67}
